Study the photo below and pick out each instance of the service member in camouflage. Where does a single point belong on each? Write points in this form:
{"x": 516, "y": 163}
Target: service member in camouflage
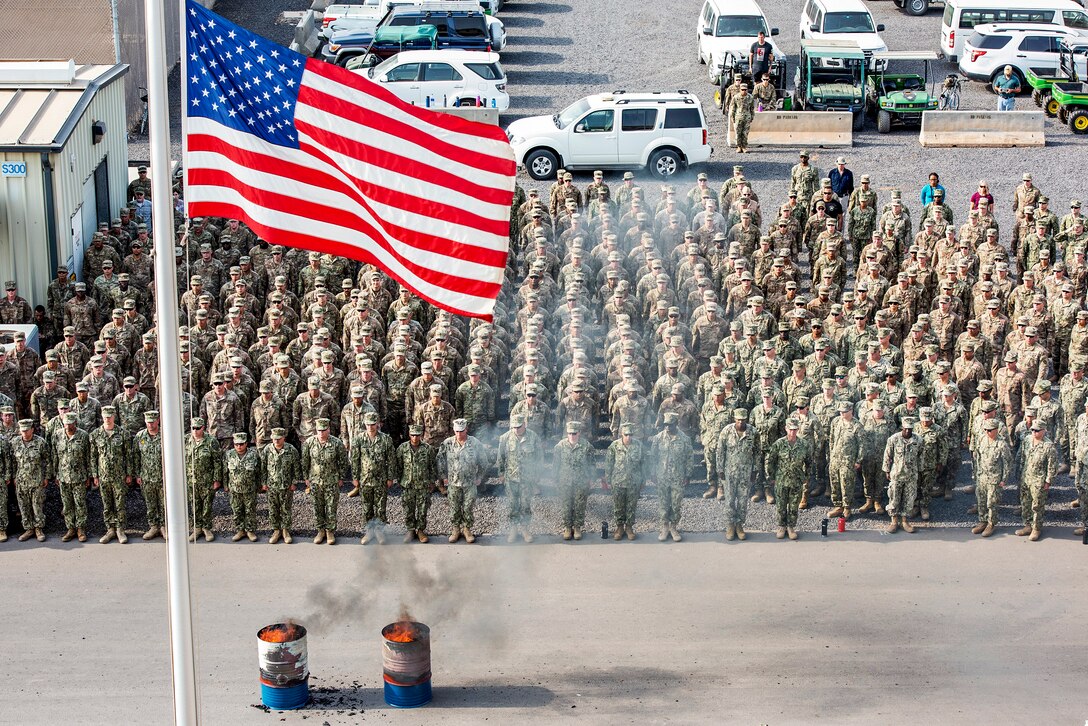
{"x": 902, "y": 461}
{"x": 670, "y": 461}
{"x": 519, "y": 464}
{"x": 7, "y": 471}
{"x": 462, "y": 464}
{"x": 1038, "y": 466}
{"x": 204, "y": 475}
{"x": 573, "y": 463}
{"x": 243, "y": 466}
{"x": 324, "y": 461}
{"x": 146, "y": 466}
{"x": 845, "y": 443}
{"x": 372, "y": 465}
{"x": 32, "y": 471}
{"x": 625, "y": 473}
{"x": 993, "y": 467}
{"x": 739, "y": 456}
{"x": 282, "y": 467}
{"x": 72, "y": 463}
{"x": 933, "y": 455}
{"x": 787, "y": 464}
{"x": 416, "y": 469}
{"x": 110, "y": 458}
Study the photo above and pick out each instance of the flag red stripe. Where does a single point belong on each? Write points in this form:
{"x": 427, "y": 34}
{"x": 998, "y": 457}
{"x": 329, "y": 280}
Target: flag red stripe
{"x": 311, "y": 210}
{"x": 323, "y": 180}
{"x": 445, "y": 121}
{"x": 278, "y": 236}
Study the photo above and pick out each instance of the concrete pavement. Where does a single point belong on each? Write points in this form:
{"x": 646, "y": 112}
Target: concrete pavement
{"x": 934, "y": 627}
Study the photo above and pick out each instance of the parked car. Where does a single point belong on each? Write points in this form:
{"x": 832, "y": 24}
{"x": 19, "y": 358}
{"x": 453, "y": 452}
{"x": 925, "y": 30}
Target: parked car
{"x": 1024, "y": 47}
{"x": 725, "y": 32}
{"x": 843, "y": 20}
{"x": 962, "y": 16}
{"x": 443, "y": 78}
{"x": 662, "y": 130}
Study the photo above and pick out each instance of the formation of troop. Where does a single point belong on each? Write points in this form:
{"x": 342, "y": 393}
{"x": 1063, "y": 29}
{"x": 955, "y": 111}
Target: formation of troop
{"x": 644, "y": 333}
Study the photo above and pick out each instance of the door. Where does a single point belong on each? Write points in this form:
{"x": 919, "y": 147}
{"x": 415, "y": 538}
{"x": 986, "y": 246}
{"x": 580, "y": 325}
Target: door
{"x": 1039, "y": 53}
{"x": 638, "y": 127}
{"x": 102, "y": 191}
{"x": 442, "y": 82}
{"x": 593, "y": 139}
{"x": 403, "y": 82}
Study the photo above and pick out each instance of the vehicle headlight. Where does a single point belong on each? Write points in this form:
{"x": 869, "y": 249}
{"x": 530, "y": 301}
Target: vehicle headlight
{"x": 334, "y": 47}
{"x": 932, "y": 103}
{"x": 515, "y": 140}
{"x": 819, "y": 100}
{"x": 884, "y": 104}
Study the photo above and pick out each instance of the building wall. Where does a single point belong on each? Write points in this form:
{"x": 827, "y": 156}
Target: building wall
{"x": 23, "y": 236}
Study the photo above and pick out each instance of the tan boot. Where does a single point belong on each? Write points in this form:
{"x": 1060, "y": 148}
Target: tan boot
{"x": 81, "y": 534}
{"x": 730, "y": 533}
{"x": 3, "y": 535}
{"x": 663, "y": 534}
{"x": 1075, "y": 503}
{"x": 878, "y": 508}
{"x": 455, "y": 534}
{"x": 330, "y": 536}
{"x": 768, "y": 494}
{"x": 320, "y": 538}
{"x": 354, "y": 492}
{"x": 977, "y": 529}
{"x": 1023, "y": 531}
{"x": 969, "y": 489}
{"x": 755, "y": 497}
{"x": 209, "y": 536}
{"x": 566, "y": 533}
{"x": 107, "y": 537}
{"x": 151, "y": 533}
{"x": 710, "y": 492}
{"x": 1035, "y": 534}
{"x": 721, "y": 493}
{"x": 925, "y": 514}
{"x": 238, "y": 536}
{"x": 422, "y": 536}
{"x": 287, "y": 538}
{"x": 780, "y": 533}
{"x": 973, "y": 509}
{"x": 674, "y": 533}
{"x": 69, "y": 535}
{"x": 380, "y": 533}
{"x": 193, "y": 535}
{"x": 988, "y": 531}
{"x": 907, "y": 526}
{"x": 804, "y": 501}
{"x": 251, "y": 535}
{"x": 275, "y": 537}
{"x": 39, "y": 534}
{"x": 367, "y": 536}
{"x": 162, "y": 531}
{"x": 26, "y": 535}
{"x": 867, "y": 507}
{"x": 469, "y": 536}
{"x": 834, "y": 512}
{"x": 741, "y": 534}
{"x": 576, "y": 532}
{"x": 1078, "y": 532}
{"x": 948, "y": 494}
{"x": 618, "y": 534}
{"x": 121, "y": 536}
{"x": 409, "y": 536}
{"x": 893, "y": 526}
{"x": 791, "y": 532}
{"x": 526, "y": 535}
{"x": 846, "y": 513}
{"x": 630, "y": 532}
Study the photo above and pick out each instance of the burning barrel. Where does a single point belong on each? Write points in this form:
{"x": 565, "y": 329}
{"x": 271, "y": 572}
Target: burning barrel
{"x": 285, "y": 673}
{"x": 406, "y": 664}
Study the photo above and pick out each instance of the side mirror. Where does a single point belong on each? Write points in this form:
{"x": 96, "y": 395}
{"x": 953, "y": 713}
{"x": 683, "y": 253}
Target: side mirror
{"x": 707, "y": 30}
{"x": 814, "y": 27}
{"x": 880, "y": 27}
{"x": 774, "y": 31}
{"x": 579, "y": 128}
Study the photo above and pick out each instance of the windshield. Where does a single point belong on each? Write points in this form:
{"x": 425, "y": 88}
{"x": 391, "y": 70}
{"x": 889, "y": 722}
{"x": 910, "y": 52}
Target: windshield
{"x": 848, "y": 23}
{"x": 739, "y": 26}
{"x": 571, "y": 113}
{"x": 822, "y": 76}
{"x": 382, "y": 67}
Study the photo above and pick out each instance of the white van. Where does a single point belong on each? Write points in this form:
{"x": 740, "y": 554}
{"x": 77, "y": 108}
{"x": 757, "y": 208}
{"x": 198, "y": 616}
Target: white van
{"x": 961, "y": 17}
{"x": 843, "y": 20}
{"x": 729, "y": 28}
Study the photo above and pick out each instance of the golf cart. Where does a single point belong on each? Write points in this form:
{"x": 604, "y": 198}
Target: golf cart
{"x": 734, "y": 65}
{"x": 900, "y": 98}
{"x": 831, "y": 77}
{"x": 1072, "y": 99}
{"x": 1072, "y": 62}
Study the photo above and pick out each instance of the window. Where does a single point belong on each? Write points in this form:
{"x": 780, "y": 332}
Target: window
{"x": 440, "y": 72}
{"x": 1031, "y": 16}
{"x": 598, "y": 121}
{"x": 849, "y": 23}
{"x": 949, "y": 11}
{"x": 1075, "y": 19}
{"x": 683, "y": 118}
{"x": 1035, "y": 44}
{"x": 810, "y": 10}
{"x": 740, "y": 26}
{"x": 989, "y": 42}
{"x": 818, "y": 20}
{"x": 406, "y": 72}
{"x": 639, "y": 119}
{"x": 971, "y": 18}
{"x": 487, "y": 71}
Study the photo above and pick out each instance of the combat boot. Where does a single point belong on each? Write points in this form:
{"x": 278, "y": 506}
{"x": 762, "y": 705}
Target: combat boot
{"x": 366, "y": 536}
{"x": 791, "y": 532}
{"x": 948, "y": 494}
{"x": 379, "y": 532}
{"x": 630, "y": 532}
{"x": 846, "y": 512}
{"x": 1078, "y": 532}
{"x": 566, "y": 533}
{"x": 915, "y": 512}
{"x": 1075, "y": 503}
{"x": 209, "y": 536}
{"x": 121, "y": 536}
{"x": 837, "y": 511}
{"x": 969, "y": 489}
{"x": 330, "y": 536}
{"x": 471, "y": 538}
{"x": 320, "y": 536}
{"x": 867, "y": 507}
{"x": 3, "y": 535}
{"x": 741, "y": 534}
{"x": 526, "y": 535}
{"x": 275, "y": 537}
{"x": 1023, "y": 531}
{"x": 26, "y": 535}
{"x": 804, "y": 500}
{"x": 710, "y": 492}
{"x": 755, "y": 497}
{"x": 354, "y": 492}
{"x": 768, "y": 494}
{"x": 878, "y": 508}
{"x": 675, "y": 533}
{"x": 816, "y": 491}
{"x": 973, "y": 509}
{"x": 251, "y": 535}
{"x": 663, "y": 534}
{"x": 730, "y": 533}
{"x": 151, "y": 533}
{"x": 69, "y": 535}
{"x": 162, "y": 531}
{"x": 907, "y": 526}
{"x": 893, "y": 526}
{"x": 238, "y": 536}
{"x": 780, "y": 533}
{"x": 39, "y": 533}
{"x": 455, "y": 534}
{"x": 576, "y": 532}
{"x": 988, "y": 531}
{"x": 422, "y": 536}
{"x": 81, "y": 534}
{"x": 287, "y": 538}
{"x": 925, "y": 514}
{"x": 108, "y": 536}
{"x": 1036, "y": 533}
{"x": 409, "y": 536}
{"x": 618, "y": 534}
{"x": 721, "y": 493}
{"x": 977, "y": 529}
{"x": 193, "y": 535}
{"x": 512, "y": 536}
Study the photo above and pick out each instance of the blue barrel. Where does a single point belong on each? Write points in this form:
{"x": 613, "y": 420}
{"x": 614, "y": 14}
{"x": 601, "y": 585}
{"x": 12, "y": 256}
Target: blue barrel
{"x": 406, "y": 664}
{"x": 408, "y": 696}
{"x": 285, "y": 699}
{"x": 284, "y": 666}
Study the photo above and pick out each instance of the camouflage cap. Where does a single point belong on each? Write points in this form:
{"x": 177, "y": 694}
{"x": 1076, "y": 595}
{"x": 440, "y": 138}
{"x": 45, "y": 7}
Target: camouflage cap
{"x": 321, "y": 424}
{"x": 150, "y": 416}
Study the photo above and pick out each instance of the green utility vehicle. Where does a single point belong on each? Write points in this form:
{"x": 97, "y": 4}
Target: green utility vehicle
{"x": 900, "y": 98}
{"x": 1072, "y": 67}
{"x": 1072, "y": 101}
{"x": 831, "y": 77}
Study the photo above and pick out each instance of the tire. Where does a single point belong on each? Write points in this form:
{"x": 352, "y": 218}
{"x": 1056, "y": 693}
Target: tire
{"x": 1078, "y": 121}
{"x": 699, "y": 54}
{"x": 1063, "y": 115}
{"x": 883, "y": 121}
{"x": 1050, "y": 106}
{"x": 916, "y": 7}
{"x": 541, "y": 164}
{"x": 859, "y": 121}
{"x": 1037, "y": 96}
{"x": 664, "y": 163}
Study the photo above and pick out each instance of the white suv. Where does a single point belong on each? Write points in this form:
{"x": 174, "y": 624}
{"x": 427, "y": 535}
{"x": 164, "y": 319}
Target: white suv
{"x": 843, "y": 20}
{"x": 443, "y": 78}
{"x": 728, "y": 28}
{"x": 1036, "y": 47}
{"x": 664, "y": 131}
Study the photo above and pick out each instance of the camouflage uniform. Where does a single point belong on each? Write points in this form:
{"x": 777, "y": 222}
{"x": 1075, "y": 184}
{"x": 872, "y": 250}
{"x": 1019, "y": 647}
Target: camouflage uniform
{"x": 416, "y": 469}
{"x": 741, "y": 110}
{"x": 993, "y": 465}
{"x": 475, "y": 404}
{"x": 874, "y": 439}
{"x": 902, "y": 461}
{"x": 845, "y": 444}
{"x": 72, "y": 464}
{"x": 670, "y": 457}
{"x": 146, "y": 452}
{"x": 463, "y": 466}
{"x": 7, "y": 464}
{"x": 934, "y": 454}
{"x": 203, "y": 468}
{"x": 282, "y": 469}
{"x": 33, "y": 465}
{"x": 372, "y": 467}
{"x": 520, "y": 460}
{"x": 130, "y": 411}
{"x": 787, "y": 465}
{"x": 323, "y": 466}
{"x": 1038, "y": 465}
{"x": 738, "y": 459}
{"x": 244, "y": 478}
{"x": 624, "y": 470}
{"x": 110, "y": 458}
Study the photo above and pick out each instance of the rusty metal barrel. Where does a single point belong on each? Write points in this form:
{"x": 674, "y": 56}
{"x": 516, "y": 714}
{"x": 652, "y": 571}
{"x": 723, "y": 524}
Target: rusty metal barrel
{"x": 406, "y": 664}
{"x": 285, "y": 671}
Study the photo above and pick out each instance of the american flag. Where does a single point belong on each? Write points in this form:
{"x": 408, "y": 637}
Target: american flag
{"x": 311, "y": 155}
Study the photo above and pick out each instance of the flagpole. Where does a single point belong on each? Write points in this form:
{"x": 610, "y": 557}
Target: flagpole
{"x": 183, "y": 665}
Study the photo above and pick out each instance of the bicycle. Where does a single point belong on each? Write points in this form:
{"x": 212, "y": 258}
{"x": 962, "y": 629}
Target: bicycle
{"x": 949, "y": 100}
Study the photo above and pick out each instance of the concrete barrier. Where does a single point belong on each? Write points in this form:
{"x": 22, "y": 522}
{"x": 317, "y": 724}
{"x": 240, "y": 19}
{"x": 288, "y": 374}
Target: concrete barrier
{"x": 306, "y": 38}
{"x": 472, "y": 113}
{"x": 799, "y": 128}
{"x": 982, "y": 129}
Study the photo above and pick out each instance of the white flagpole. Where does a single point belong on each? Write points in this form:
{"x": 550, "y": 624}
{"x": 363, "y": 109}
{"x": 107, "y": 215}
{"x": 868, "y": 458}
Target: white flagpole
{"x": 183, "y": 666}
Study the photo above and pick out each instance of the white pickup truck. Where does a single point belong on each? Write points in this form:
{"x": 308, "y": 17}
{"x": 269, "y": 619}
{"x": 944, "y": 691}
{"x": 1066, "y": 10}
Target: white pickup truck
{"x": 371, "y": 11}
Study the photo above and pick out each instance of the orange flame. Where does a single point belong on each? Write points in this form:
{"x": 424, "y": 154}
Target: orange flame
{"x": 401, "y": 632}
{"x": 280, "y": 633}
